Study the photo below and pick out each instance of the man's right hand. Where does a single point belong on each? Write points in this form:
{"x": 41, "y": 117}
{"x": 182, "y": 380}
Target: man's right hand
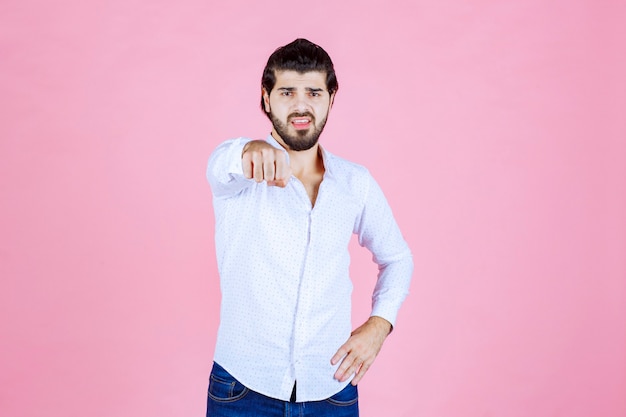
{"x": 261, "y": 161}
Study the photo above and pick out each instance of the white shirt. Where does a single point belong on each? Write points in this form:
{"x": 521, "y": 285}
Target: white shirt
{"x": 284, "y": 276}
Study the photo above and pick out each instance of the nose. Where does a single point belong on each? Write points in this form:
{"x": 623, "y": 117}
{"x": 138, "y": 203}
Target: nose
{"x": 301, "y": 103}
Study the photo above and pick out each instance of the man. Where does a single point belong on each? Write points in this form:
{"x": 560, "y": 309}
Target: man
{"x": 285, "y": 210}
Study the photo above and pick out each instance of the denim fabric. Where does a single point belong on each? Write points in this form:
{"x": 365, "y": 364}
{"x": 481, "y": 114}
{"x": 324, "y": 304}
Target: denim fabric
{"x": 227, "y": 397}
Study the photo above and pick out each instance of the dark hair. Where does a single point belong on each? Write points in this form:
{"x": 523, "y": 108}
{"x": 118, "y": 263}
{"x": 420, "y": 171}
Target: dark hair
{"x": 302, "y": 56}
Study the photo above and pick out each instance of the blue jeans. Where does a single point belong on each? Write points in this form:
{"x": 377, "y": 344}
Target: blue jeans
{"x": 227, "y": 397}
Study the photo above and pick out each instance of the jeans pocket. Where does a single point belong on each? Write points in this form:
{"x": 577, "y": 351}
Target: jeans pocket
{"x": 223, "y": 387}
{"x": 347, "y": 396}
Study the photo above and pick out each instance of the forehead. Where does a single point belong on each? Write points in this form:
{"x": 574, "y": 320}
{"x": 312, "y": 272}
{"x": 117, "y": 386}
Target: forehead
{"x": 288, "y": 78}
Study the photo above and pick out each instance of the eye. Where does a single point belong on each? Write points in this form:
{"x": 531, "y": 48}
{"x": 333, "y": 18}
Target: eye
{"x": 314, "y": 94}
{"x": 286, "y": 93}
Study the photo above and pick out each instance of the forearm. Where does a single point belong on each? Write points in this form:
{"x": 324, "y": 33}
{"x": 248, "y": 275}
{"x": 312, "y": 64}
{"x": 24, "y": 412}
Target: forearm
{"x": 392, "y": 287}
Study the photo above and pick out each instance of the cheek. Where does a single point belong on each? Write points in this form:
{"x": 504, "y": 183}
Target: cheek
{"x": 321, "y": 112}
{"x": 276, "y": 107}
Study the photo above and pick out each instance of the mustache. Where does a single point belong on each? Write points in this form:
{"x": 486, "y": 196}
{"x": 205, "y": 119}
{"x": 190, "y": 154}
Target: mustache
{"x": 304, "y": 114}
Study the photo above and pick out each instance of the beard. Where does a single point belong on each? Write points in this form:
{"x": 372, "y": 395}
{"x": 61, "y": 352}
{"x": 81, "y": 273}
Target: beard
{"x": 302, "y": 140}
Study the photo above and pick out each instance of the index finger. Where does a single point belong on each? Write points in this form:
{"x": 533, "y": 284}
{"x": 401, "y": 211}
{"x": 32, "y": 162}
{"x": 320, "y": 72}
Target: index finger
{"x": 343, "y": 351}
{"x": 246, "y": 165}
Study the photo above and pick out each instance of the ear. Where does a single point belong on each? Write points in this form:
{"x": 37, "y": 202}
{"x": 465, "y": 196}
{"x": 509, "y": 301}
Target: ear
{"x": 266, "y": 100}
{"x": 332, "y": 99}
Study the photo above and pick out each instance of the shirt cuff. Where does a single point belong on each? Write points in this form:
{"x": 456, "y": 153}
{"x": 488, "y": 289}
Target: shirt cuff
{"x": 388, "y": 313}
{"x": 234, "y": 156}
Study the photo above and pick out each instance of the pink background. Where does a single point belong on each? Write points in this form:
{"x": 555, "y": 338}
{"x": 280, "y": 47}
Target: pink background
{"x": 496, "y": 129}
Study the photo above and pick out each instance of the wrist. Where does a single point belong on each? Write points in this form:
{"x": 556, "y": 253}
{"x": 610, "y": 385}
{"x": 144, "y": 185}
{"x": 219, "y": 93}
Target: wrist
{"x": 382, "y": 324}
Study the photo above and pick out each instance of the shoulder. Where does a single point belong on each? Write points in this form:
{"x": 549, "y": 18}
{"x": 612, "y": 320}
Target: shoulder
{"x": 337, "y": 164}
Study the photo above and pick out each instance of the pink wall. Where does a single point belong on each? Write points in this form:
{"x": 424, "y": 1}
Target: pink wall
{"x": 497, "y": 130}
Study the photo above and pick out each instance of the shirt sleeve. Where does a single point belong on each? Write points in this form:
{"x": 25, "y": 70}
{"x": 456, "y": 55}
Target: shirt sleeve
{"x": 378, "y": 231}
{"x": 224, "y": 171}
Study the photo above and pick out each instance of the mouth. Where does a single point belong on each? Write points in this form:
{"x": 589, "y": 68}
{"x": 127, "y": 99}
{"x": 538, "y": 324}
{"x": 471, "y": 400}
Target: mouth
{"x": 300, "y": 122}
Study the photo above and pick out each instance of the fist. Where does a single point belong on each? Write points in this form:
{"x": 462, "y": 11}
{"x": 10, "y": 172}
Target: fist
{"x": 263, "y": 162}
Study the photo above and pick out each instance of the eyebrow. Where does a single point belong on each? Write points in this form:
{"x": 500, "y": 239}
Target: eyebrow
{"x": 311, "y": 89}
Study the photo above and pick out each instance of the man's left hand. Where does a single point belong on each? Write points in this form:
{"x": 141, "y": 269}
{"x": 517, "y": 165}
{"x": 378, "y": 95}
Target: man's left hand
{"x": 360, "y": 350}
